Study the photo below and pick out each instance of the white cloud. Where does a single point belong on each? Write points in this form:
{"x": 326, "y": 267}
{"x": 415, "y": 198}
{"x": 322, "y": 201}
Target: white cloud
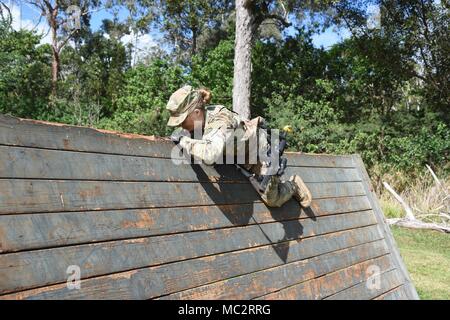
{"x": 41, "y": 27}
{"x": 142, "y": 44}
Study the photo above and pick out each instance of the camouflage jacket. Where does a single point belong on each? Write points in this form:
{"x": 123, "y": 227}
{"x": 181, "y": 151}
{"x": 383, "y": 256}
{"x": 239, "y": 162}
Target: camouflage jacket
{"x": 222, "y": 127}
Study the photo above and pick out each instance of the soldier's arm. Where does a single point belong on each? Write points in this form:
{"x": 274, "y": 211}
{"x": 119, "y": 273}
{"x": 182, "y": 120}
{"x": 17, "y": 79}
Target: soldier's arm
{"x": 210, "y": 148}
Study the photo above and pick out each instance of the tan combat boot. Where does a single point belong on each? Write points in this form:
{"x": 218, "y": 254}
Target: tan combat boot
{"x": 302, "y": 193}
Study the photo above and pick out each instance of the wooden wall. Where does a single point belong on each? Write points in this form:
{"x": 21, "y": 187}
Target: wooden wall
{"x": 141, "y": 227}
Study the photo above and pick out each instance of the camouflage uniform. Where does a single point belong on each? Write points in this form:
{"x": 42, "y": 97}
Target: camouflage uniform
{"x": 221, "y": 128}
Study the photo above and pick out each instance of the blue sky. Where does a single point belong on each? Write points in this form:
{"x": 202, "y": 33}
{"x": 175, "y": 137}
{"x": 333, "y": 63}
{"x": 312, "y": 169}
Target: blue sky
{"x": 26, "y": 16}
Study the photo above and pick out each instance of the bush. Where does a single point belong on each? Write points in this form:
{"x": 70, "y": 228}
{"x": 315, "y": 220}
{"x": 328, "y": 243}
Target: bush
{"x": 148, "y": 122}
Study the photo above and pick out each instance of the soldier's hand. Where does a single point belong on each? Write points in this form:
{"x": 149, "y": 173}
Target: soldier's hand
{"x": 177, "y": 135}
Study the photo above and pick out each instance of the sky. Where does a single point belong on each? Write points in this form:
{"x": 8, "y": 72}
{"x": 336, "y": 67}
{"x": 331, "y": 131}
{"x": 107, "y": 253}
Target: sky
{"x": 28, "y": 17}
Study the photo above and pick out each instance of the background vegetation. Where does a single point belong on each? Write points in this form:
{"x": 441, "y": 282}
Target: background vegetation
{"x": 383, "y": 92}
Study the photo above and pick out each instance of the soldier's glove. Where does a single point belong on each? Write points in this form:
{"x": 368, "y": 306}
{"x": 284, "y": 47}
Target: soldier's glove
{"x": 178, "y": 134}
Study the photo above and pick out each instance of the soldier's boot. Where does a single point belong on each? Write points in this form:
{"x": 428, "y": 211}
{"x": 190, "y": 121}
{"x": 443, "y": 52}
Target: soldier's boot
{"x": 277, "y": 192}
{"x": 302, "y": 193}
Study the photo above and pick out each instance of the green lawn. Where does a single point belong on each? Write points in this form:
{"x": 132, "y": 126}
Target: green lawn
{"x": 427, "y": 257}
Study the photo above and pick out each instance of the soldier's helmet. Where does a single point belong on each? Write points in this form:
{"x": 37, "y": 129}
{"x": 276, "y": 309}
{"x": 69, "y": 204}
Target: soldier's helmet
{"x": 181, "y": 104}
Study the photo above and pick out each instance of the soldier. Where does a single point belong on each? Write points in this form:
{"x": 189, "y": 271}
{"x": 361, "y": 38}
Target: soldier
{"x": 189, "y": 110}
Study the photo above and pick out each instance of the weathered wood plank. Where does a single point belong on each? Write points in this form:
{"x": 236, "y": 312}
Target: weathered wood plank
{"x": 255, "y": 284}
{"x": 319, "y": 160}
{"x": 15, "y": 162}
{"x": 311, "y": 174}
{"x": 389, "y": 279}
{"x": 37, "y": 231}
{"x": 29, "y": 269}
{"x": 147, "y": 283}
{"x": 330, "y": 283}
{"x": 384, "y": 227}
{"x": 141, "y": 227}
{"x": 27, "y": 196}
{"x": 32, "y": 163}
{"x": 31, "y": 133}
{"x": 398, "y": 293}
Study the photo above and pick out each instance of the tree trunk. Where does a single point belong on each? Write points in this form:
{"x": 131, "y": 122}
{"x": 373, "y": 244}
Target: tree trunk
{"x": 55, "y": 51}
{"x": 242, "y": 58}
{"x": 194, "y": 41}
{"x": 55, "y": 72}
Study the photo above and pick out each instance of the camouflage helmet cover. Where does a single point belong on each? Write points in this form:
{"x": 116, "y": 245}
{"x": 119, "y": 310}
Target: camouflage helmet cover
{"x": 180, "y": 105}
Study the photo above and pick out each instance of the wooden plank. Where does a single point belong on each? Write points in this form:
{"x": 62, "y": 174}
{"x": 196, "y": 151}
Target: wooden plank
{"x": 319, "y": 160}
{"x": 384, "y": 228}
{"x": 45, "y": 230}
{"x": 398, "y": 293}
{"x": 330, "y": 283}
{"x": 15, "y": 162}
{"x": 29, "y": 269}
{"x": 311, "y": 174}
{"x": 255, "y": 284}
{"x": 32, "y": 163}
{"x": 27, "y": 196}
{"x": 389, "y": 279}
{"x": 32, "y": 133}
{"x": 146, "y": 283}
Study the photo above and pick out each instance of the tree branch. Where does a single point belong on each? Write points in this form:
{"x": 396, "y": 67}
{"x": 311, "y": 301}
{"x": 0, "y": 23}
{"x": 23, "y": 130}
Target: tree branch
{"x": 408, "y": 210}
{"x": 278, "y": 18}
{"x": 9, "y": 13}
{"x": 64, "y": 42}
{"x": 417, "y": 224}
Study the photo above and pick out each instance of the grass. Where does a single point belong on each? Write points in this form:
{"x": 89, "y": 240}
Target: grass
{"x": 426, "y": 254}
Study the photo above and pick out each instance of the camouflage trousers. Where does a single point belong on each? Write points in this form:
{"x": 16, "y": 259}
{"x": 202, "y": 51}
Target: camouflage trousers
{"x": 277, "y": 192}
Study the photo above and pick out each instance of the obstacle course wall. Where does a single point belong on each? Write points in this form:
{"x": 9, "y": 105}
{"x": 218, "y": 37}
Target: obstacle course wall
{"x": 139, "y": 226}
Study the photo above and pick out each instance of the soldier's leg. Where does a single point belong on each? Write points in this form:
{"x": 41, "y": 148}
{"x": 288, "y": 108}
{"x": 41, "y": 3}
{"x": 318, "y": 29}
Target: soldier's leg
{"x": 277, "y": 192}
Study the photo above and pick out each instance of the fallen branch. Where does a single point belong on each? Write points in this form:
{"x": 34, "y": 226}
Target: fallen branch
{"x": 408, "y": 210}
{"x": 438, "y": 182}
{"x": 410, "y": 221}
{"x": 417, "y": 224}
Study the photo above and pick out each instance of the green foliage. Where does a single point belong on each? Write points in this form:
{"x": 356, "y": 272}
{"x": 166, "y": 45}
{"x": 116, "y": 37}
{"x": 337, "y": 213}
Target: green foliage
{"x": 372, "y": 94}
{"x": 289, "y": 67}
{"x": 147, "y": 122}
{"x": 429, "y": 145}
{"x": 142, "y": 101}
{"x": 24, "y": 72}
{"x": 214, "y": 70}
{"x": 94, "y": 72}
{"x": 150, "y": 86}
{"x": 313, "y": 122}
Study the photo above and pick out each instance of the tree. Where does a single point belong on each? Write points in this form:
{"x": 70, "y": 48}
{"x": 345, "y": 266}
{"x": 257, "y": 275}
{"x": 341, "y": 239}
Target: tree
{"x": 182, "y": 22}
{"x": 92, "y": 72}
{"x": 64, "y": 18}
{"x": 242, "y": 58}
{"x": 250, "y": 16}
{"x": 24, "y": 71}
{"x": 5, "y": 14}
{"x": 185, "y": 20}
{"x": 416, "y": 30}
